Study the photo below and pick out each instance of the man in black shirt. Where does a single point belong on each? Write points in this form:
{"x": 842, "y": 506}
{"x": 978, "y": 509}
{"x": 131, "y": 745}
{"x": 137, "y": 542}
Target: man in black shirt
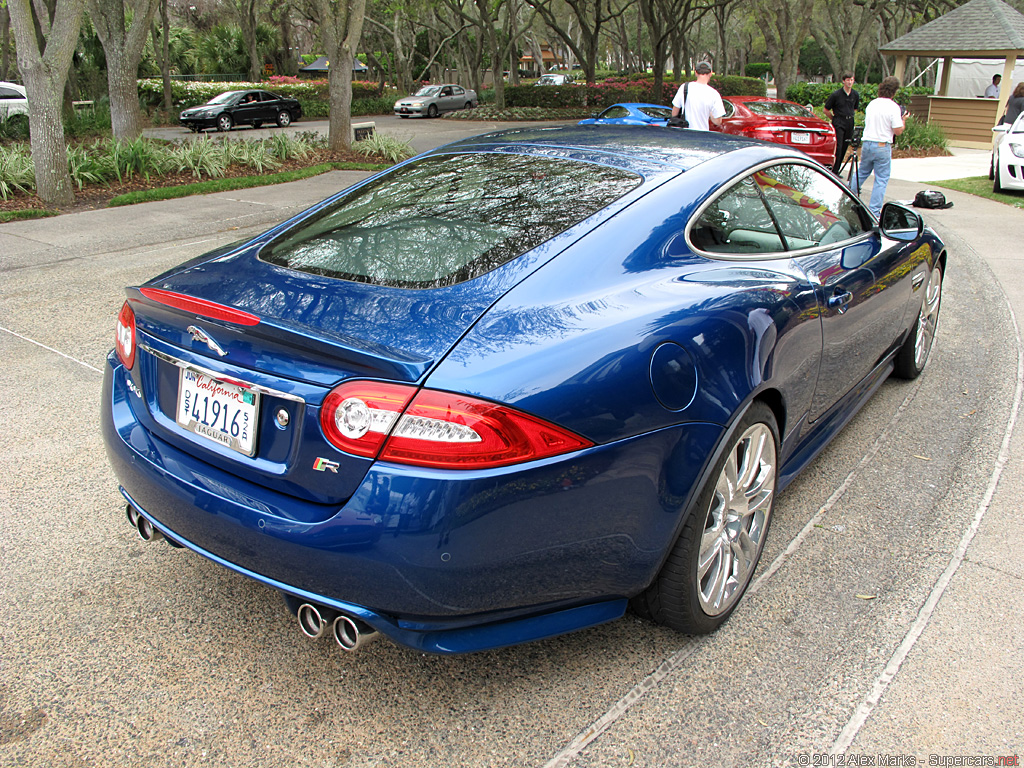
{"x": 840, "y": 107}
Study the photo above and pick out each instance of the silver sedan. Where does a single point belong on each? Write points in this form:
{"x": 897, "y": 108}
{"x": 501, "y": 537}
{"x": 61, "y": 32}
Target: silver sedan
{"x": 431, "y": 100}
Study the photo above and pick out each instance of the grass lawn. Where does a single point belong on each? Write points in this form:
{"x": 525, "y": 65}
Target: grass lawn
{"x": 982, "y": 187}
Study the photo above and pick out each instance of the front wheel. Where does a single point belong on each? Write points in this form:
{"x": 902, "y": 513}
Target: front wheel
{"x": 224, "y": 122}
{"x": 284, "y": 118}
{"x": 913, "y": 355}
{"x": 432, "y": 110}
{"x": 713, "y": 560}
{"x": 996, "y": 183}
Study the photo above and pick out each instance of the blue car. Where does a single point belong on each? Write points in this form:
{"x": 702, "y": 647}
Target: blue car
{"x": 438, "y": 408}
{"x": 631, "y": 114}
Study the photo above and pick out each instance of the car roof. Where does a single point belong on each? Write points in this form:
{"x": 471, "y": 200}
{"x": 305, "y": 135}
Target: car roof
{"x": 19, "y": 88}
{"x": 639, "y": 149}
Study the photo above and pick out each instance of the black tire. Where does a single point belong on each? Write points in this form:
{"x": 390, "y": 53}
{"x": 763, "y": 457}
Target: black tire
{"x": 432, "y": 110}
{"x": 996, "y": 184}
{"x": 284, "y": 118}
{"x": 697, "y": 598}
{"x": 257, "y": 123}
{"x": 469, "y": 105}
{"x": 224, "y": 122}
{"x": 913, "y": 355}
{"x": 992, "y": 168}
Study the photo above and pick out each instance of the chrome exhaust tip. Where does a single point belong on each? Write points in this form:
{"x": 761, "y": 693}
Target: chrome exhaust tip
{"x": 133, "y": 515}
{"x": 147, "y": 531}
{"x": 352, "y": 634}
{"x": 313, "y": 620}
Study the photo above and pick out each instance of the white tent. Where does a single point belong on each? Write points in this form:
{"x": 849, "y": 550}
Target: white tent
{"x": 970, "y": 77}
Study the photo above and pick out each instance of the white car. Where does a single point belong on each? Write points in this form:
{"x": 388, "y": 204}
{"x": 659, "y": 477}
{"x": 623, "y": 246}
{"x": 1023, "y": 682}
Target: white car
{"x": 430, "y": 100}
{"x": 1007, "y": 168}
{"x": 555, "y": 78}
{"x": 12, "y": 100}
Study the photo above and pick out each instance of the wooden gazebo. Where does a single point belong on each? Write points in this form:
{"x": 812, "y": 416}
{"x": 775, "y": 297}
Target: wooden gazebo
{"x": 979, "y": 29}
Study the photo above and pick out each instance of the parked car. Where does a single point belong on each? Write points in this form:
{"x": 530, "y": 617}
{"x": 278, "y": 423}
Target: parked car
{"x": 1007, "y": 165}
{"x": 13, "y": 100}
{"x": 231, "y": 108}
{"x": 439, "y": 408}
{"x": 431, "y": 100}
{"x": 781, "y": 122}
{"x": 555, "y": 78}
{"x": 631, "y": 114}
{"x": 759, "y": 117}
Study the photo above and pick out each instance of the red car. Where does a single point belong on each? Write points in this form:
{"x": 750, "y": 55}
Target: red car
{"x": 782, "y": 122}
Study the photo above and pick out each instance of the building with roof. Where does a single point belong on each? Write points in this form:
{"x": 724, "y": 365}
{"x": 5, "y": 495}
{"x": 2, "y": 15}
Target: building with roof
{"x": 979, "y": 29}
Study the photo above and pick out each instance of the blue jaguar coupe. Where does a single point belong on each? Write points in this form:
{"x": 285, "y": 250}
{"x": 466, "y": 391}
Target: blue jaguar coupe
{"x": 516, "y": 384}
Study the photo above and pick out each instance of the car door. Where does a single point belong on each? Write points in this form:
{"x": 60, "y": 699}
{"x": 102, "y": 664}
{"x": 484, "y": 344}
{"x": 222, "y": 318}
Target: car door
{"x": 248, "y": 108}
{"x": 269, "y": 106}
{"x": 864, "y": 279}
{"x": 445, "y": 99}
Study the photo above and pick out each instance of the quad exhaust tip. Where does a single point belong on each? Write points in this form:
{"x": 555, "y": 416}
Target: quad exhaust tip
{"x": 350, "y": 633}
{"x": 147, "y": 531}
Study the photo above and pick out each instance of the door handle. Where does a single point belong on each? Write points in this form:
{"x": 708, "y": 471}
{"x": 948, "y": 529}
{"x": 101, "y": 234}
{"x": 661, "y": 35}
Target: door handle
{"x": 839, "y": 301}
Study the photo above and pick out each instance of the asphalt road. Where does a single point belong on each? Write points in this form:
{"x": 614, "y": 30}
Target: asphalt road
{"x": 421, "y": 133}
{"x": 885, "y": 618}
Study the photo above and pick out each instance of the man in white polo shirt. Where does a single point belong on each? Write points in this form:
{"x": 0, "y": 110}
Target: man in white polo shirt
{"x": 703, "y": 103}
{"x": 883, "y": 122}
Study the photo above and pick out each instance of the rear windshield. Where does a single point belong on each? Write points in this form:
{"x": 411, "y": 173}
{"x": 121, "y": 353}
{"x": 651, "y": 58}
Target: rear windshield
{"x": 445, "y": 220}
{"x": 777, "y": 108}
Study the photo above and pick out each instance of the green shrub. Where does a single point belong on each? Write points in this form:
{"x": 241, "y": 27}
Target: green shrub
{"x": 921, "y": 135}
{"x": 816, "y": 94}
{"x": 251, "y": 154}
{"x": 757, "y": 69}
{"x": 86, "y": 166}
{"x": 202, "y": 157}
{"x": 139, "y": 156}
{"x": 14, "y": 128}
{"x": 16, "y": 170}
{"x": 385, "y": 146}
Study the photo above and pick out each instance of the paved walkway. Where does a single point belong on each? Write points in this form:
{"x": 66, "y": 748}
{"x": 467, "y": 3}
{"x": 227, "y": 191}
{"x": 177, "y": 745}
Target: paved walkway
{"x": 962, "y": 163}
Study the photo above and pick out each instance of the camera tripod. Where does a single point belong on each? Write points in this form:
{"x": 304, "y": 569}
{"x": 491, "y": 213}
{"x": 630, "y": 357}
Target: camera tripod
{"x": 850, "y": 166}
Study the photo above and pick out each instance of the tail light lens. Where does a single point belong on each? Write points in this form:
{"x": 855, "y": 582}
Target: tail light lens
{"x": 124, "y": 336}
{"x": 437, "y": 429}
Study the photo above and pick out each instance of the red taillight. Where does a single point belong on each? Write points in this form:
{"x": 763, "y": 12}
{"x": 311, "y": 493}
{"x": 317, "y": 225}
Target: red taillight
{"x": 124, "y": 336}
{"x": 357, "y": 416}
{"x": 200, "y": 307}
{"x": 438, "y": 429}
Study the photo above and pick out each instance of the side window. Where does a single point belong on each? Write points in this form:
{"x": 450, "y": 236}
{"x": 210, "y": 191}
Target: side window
{"x": 811, "y": 208}
{"x": 614, "y": 112}
{"x": 458, "y": 90}
{"x": 729, "y": 108}
{"x": 7, "y": 93}
{"x": 737, "y": 223}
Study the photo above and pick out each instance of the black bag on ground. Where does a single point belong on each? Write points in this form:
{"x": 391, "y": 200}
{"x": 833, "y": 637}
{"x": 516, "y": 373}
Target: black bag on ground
{"x": 929, "y": 198}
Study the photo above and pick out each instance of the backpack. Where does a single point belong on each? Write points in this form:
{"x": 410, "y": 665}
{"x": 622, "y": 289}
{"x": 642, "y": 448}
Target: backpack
{"x": 680, "y": 121}
{"x": 929, "y": 198}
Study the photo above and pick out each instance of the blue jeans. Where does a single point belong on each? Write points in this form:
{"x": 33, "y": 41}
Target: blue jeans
{"x": 878, "y": 159}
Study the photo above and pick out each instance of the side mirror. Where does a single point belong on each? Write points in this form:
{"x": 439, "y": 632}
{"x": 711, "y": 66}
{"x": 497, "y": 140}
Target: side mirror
{"x": 1001, "y": 128}
{"x": 900, "y": 223}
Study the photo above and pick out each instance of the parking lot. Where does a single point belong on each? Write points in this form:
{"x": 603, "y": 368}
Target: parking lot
{"x": 884, "y": 619}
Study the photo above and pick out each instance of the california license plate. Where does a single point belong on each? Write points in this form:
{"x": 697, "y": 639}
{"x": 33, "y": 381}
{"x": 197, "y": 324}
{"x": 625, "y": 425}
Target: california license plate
{"x": 218, "y": 410}
{"x": 800, "y": 137}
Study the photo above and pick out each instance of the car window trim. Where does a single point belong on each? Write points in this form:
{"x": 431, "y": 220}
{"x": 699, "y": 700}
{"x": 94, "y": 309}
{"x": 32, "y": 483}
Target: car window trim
{"x": 770, "y": 255}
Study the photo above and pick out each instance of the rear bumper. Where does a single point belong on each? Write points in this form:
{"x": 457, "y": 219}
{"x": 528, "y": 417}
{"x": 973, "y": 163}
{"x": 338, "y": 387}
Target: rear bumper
{"x": 442, "y": 561}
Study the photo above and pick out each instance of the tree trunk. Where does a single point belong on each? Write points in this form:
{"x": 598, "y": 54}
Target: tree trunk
{"x": 5, "y": 42}
{"x": 44, "y": 75}
{"x": 122, "y": 46}
{"x": 342, "y": 27}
